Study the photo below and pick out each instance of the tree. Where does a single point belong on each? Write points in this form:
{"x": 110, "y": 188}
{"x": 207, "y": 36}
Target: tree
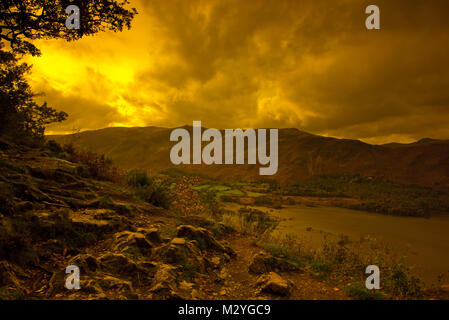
{"x": 25, "y": 20}
{"x": 21, "y": 22}
{"x": 19, "y": 113}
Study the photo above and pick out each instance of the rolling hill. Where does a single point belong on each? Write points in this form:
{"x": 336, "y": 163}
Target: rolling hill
{"x": 301, "y": 155}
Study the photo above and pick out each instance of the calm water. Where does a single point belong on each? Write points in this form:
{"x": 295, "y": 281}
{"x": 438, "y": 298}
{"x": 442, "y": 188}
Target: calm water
{"x": 426, "y": 241}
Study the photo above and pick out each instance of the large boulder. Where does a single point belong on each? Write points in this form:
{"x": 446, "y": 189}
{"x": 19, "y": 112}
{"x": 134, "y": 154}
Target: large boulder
{"x": 152, "y": 235}
{"x": 118, "y": 264}
{"x": 72, "y": 224}
{"x": 164, "y": 283}
{"x": 185, "y": 254}
{"x": 132, "y": 242}
{"x": 103, "y": 287}
{"x": 204, "y": 237}
{"x": 88, "y": 223}
{"x": 273, "y": 283}
{"x": 117, "y": 288}
{"x": 263, "y": 263}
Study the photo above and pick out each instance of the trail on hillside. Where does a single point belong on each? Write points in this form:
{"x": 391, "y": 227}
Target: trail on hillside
{"x": 54, "y": 215}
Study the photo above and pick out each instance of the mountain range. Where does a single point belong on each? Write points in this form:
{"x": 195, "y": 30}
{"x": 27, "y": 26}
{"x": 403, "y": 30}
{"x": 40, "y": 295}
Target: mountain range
{"x": 301, "y": 155}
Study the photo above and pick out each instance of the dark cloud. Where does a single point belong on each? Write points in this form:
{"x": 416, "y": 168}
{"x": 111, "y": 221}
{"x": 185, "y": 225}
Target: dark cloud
{"x": 307, "y": 64}
{"x": 84, "y": 113}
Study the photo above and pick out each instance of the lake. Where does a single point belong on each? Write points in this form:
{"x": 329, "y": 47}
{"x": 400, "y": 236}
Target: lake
{"x": 426, "y": 241}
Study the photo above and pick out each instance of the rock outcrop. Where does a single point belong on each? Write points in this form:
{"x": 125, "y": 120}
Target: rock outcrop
{"x": 273, "y": 283}
{"x": 263, "y": 263}
{"x": 132, "y": 242}
{"x": 204, "y": 237}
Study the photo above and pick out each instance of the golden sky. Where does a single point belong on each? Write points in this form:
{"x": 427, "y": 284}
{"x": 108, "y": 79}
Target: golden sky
{"x": 306, "y": 64}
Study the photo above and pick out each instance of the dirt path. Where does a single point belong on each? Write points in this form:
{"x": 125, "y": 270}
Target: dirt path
{"x": 237, "y": 283}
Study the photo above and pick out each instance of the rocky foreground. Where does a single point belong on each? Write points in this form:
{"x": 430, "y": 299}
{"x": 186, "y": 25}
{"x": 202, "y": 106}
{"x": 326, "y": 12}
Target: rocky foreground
{"x": 52, "y": 215}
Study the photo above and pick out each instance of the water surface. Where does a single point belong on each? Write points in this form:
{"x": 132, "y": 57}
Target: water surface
{"x": 425, "y": 241}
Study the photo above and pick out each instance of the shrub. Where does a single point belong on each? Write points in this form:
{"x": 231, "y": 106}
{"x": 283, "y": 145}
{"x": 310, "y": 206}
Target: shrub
{"x": 186, "y": 200}
{"x": 320, "y": 266}
{"x": 54, "y": 147}
{"x": 402, "y": 283}
{"x": 250, "y": 221}
{"x": 156, "y": 192}
{"x": 209, "y": 198}
{"x": 360, "y": 292}
{"x": 136, "y": 179}
{"x": 150, "y": 189}
{"x": 99, "y": 166}
{"x": 346, "y": 261}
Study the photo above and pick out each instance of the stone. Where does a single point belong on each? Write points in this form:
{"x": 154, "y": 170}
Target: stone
{"x": 215, "y": 262}
{"x": 204, "y": 237}
{"x": 86, "y": 262}
{"x": 163, "y": 292}
{"x": 165, "y": 274}
{"x": 273, "y": 283}
{"x": 88, "y": 223}
{"x": 118, "y": 264}
{"x": 164, "y": 283}
{"x": 151, "y": 234}
{"x": 117, "y": 287}
{"x": 178, "y": 241}
{"x": 187, "y": 255}
{"x": 132, "y": 242}
{"x": 263, "y": 263}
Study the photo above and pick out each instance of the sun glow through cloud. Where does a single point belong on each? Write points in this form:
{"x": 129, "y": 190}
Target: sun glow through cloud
{"x": 243, "y": 64}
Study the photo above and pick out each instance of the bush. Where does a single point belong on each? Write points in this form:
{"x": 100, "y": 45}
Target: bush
{"x": 155, "y": 195}
{"x": 99, "y": 166}
{"x": 209, "y": 198}
{"x": 346, "y": 261}
{"x": 402, "y": 283}
{"x": 251, "y": 222}
{"x": 136, "y": 179}
{"x": 156, "y": 192}
{"x": 320, "y": 266}
{"x": 150, "y": 189}
{"x": 360, "y": 292}
{"x": 186, "y": 200}
{"x": 54, "y": 147}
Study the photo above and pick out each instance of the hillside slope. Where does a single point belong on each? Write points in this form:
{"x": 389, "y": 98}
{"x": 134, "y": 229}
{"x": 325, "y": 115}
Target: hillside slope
{"x": 301, "y": 155}
{"x": 54, "y": 215}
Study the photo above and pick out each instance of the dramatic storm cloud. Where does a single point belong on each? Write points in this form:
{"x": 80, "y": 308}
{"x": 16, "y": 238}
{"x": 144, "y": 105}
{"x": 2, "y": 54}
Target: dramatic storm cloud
{"x": 306, "y": 64}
